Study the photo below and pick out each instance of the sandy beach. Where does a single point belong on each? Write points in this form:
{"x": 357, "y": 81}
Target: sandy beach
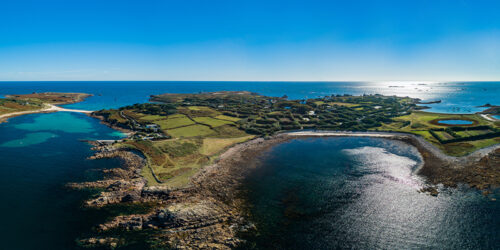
{"x": 49, "y": 108}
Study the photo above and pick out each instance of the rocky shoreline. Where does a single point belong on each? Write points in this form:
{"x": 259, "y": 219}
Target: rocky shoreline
{"x": 205, "y": 215}
{"x": 210, "y": 213}
{"x": 104, "y": 122}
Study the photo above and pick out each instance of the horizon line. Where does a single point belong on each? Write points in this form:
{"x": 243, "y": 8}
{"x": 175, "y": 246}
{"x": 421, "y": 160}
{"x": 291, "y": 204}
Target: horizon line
{"x": 407, "y": 81}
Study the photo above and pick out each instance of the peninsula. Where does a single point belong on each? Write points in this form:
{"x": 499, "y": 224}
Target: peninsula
{"x": 188, "y": 153}
{"x": 16, "y": 105}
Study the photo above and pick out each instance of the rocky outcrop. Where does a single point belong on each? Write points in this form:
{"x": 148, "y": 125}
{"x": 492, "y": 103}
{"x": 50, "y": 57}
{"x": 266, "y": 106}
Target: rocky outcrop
{"x": 122, "y": 184}
{"x": 188, "y": 224}
{"x": 109, "y": 242}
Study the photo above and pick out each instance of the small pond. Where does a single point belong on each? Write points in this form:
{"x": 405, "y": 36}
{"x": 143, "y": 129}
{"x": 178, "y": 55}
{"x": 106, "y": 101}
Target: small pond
{"x": 455, "y": 122}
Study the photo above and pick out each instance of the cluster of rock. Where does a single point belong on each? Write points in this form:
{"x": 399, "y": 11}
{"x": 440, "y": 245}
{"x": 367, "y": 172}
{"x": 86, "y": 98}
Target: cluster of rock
{"x": 122, "y": 184}
{"x": 482, "y": 174}
{"x": 479, "y": 170}
{"x": 193, "y": 224}
{"x": 205, "y": 215}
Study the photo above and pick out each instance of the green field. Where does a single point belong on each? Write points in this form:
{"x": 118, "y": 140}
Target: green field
{"x": 190, "y": 131}
{"x": 174, "y": 123}
{"x": 174, "y": 161}
{"x": 227, "y": 118}
{"x": 343, "y": 104}
{"x": 151, "y": 117}
{"x": 211, "y": 121}
{"x": 469, "y": 133}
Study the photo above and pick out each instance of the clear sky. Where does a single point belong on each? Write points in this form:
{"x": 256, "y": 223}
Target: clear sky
{"x": 250, "y": 40}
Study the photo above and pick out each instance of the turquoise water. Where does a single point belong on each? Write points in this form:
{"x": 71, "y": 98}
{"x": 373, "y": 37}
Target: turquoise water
{"x": 496, "y": 117}
{"x": 40, "y": 153}
{"x": 455, "y": 122}
{"x": 361, "y": 193}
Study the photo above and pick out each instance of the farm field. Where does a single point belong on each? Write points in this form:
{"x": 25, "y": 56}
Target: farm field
{"x": 190, "y": 131}
{"x": 211, "y": 121}
{"x": 171, "y": 123}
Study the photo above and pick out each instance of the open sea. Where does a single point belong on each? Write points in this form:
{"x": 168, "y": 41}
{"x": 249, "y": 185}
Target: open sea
{"x": 323, "y": 193}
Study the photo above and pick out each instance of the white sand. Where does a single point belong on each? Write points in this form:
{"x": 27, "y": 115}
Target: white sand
{"x": 47, "y": 109}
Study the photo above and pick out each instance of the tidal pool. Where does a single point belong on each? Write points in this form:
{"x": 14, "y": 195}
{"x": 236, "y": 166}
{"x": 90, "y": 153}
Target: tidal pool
{"x": 455, "y": 122}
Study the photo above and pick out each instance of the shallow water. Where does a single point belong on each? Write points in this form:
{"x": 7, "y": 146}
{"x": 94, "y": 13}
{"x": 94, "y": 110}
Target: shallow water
{"x": 455, "y": 122}
{"x": 329, "y": 193}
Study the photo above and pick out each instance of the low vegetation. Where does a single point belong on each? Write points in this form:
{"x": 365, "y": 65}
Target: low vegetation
{"x": 13, "y": 105}
{"x": 36, "y": 101}
{"x": 179, "y": 133}
{"x": 51, "y": 97}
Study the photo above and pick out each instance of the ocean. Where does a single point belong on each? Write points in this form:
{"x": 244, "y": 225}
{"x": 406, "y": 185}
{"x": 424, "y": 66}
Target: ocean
{"x": 319, "y": 193}
{"x": 456, "y": 97}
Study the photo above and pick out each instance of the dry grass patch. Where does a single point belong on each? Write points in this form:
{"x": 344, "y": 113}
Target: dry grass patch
{"x": 191, "y": 131}
{"x": 213, "y": 146}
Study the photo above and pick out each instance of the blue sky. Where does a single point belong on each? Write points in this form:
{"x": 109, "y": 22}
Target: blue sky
{"x": 250, "y": 40}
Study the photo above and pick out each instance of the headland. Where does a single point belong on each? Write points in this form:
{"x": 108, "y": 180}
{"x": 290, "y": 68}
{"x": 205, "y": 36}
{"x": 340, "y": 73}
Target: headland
{"x": 16, "y": 105}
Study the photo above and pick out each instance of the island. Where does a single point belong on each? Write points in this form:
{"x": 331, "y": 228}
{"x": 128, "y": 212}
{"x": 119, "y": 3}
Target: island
{"x": 16, "y": 105}
{"x": 187, "y": 154}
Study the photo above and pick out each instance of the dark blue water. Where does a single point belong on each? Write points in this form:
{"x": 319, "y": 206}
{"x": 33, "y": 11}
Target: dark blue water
{"x": 456, "y": 97}
{"x": 40, "y": 153}
{"x": 361, "y": 193}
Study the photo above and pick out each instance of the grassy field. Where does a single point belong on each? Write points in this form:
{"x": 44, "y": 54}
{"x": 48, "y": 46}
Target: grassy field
{"x": 343, "y": 104}
{"x": 211, "y": 121}
{"x": 212, "y": 146}
{"x": 11, "y": 107}
{"x": 228, "y": 118}
{"x": 150, "y": 118}
{"x": 191, "y": 131}
{"x": 174, "y": 161}
{"x": 174, "y": 123}
{"x": 199, "y": 111}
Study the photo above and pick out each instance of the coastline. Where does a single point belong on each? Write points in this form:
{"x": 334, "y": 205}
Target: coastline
{"x": 211, "y": 212}
{"x": 128, "y": 132}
